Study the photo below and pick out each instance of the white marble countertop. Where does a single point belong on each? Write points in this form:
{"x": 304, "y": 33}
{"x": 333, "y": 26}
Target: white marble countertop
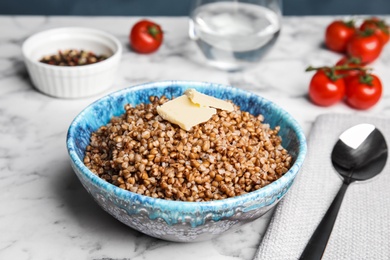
{"x": 45, "y": 213}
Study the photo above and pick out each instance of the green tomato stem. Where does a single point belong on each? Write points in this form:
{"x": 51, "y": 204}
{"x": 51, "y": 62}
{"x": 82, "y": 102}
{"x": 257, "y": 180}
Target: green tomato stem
{"x": 366, "y": 79}
{"x": 331, "y": 71}
{"x": 339, "y": 67}
{"x": 153, "y": 31}
{"x": 350, "y": 23}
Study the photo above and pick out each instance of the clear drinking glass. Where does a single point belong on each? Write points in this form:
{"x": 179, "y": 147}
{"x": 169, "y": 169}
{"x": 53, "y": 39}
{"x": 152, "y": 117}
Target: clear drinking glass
{"x": 234, "y": 34}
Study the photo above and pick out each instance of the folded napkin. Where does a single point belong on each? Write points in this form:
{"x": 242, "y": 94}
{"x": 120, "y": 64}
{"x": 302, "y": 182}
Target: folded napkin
{"x": 362, "y": 228}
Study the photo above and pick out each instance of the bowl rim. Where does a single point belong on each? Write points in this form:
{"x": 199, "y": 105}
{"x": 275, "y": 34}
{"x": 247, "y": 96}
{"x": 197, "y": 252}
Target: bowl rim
{"x": 116, "y": 54}
{"x": 185, "y": 205}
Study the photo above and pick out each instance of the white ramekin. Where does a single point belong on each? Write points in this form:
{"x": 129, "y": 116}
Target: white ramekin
{"x": 77, "y": 81}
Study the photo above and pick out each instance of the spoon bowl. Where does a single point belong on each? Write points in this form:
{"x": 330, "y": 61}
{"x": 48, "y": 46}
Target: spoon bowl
{"x": 359, "y": 160}
{"x": 359, "y": 154}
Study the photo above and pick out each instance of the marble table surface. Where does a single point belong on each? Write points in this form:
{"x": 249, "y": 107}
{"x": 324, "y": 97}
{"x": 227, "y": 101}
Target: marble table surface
{"x": 45, "y": 213}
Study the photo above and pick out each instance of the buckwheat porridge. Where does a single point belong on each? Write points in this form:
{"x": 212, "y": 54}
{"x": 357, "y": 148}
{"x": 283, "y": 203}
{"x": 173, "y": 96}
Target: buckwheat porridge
{"x": 231, "y": 154}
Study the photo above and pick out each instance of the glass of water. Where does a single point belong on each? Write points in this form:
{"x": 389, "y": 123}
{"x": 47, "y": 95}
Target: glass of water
{"x": 235, "y": 34}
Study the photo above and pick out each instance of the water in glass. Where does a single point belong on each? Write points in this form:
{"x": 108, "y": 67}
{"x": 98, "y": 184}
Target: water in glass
{"x": 234, "y": 34}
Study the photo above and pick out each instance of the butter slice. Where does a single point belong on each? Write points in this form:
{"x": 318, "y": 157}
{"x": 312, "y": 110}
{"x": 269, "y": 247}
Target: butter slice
{"x": 184, "y": 113}
{"x": 208, "y": 101}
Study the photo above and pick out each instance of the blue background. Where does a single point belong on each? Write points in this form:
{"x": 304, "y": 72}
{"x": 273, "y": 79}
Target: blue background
{"x": 180, "y": 7}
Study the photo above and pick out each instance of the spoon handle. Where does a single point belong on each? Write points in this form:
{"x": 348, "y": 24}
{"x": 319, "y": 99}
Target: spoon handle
{"x": 317, "y": 243}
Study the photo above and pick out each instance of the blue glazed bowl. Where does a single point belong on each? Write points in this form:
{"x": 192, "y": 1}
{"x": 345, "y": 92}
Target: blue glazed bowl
{"x": 177, "y": 220}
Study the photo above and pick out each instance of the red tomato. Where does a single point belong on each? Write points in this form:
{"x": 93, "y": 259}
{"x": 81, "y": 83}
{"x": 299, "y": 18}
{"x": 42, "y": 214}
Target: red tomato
{"x": 365, "y": 45}
{"x": 337, "y": 35}
{"x": 380, "y": 28}
{"x": 349, "y": 62}
{"x": 363, "y": 91}
{"x": 324, "y": 91}
{"x": 145, "y": 36}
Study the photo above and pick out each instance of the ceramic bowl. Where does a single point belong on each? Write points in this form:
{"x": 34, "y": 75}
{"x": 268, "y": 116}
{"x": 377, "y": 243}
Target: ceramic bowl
{"x": 177, "y": 220}
{"x": 76, "y": 81}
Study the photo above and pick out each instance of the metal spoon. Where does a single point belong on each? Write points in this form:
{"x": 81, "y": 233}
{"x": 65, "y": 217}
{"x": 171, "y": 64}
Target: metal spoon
{"x": 359, "y": 154}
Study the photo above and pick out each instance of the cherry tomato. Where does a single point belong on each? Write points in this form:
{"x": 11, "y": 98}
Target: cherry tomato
{"x": 380, "y": 28}
{"x": 349, "y": 62}
{"x": 337, "y": 35}
{"x": 325, "y": 91}
{"x": 363, "y": 91}
{"x": 365, "y": 45}
{"x": 145, "y": 36}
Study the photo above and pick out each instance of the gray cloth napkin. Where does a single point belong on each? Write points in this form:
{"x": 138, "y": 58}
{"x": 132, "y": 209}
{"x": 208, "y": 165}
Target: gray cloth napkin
{"x": 362, "y": 228}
